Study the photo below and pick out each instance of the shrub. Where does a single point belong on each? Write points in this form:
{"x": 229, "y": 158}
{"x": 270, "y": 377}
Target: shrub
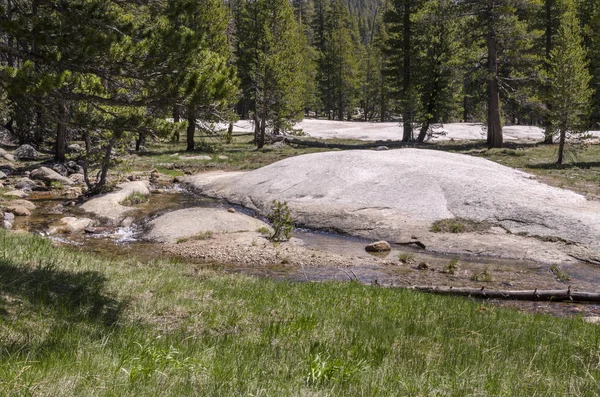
{"x": 282, "y": 221}
{"x": 458, "y": 225}
{"x": 134, "y": 198}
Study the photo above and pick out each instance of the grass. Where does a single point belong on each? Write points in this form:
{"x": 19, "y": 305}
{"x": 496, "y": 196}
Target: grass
{"x": 559, "y": 273}
{"x": 406, "y": 257}
{"x": 458, "y": 225}
{"x": 73, "y": 324}
{"x": 134, "y": 198}
{"x": 451, "y": 267}
{"x": 198, "y": 237}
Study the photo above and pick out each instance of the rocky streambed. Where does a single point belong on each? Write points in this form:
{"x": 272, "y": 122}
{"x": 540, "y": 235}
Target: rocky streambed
{"x": 148, "y": 218}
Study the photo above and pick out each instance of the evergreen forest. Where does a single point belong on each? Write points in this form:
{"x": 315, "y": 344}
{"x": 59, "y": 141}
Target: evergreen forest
{"x": 107, "y": 72}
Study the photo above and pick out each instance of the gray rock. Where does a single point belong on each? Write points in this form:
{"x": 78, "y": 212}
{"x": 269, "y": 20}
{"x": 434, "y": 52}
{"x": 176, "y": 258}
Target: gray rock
{"x": 108, "y": 206}
{"x": 48, "y": 175}
{"x": 9, "y": 216}
{"x": 379, "y": 148}
{"x": 60, "y": 169}
{"x": 70, "y": 225}
{"x": 3, "y": 175}
{"x": 74, "y": 168}
{"x": 5, "y": 155}
{"x": 17, "y": 210}
{"x": 7, "y": 225}
{"x": 201, "y": 157}
{"x": 396, "y": 194}
{"x": 26, "y": 184}
{"x": 74, "y": 148}
{"x": 77, "y": 179}
{"x": 192, "y": 221}
{"x": 378, "y": 246}
{"x": 24, "y": 203}
{"x": 16, "y": 193}
{"x": 26, "y": 152}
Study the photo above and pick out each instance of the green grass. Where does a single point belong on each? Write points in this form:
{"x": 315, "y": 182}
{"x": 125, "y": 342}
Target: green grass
{"x": 458, "y": 225}
{"x": 73, "y": 324}
{"x": 134, "y": 198}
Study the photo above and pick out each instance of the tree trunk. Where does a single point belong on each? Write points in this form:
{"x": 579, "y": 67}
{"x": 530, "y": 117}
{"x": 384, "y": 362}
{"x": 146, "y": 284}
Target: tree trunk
{"x": 191, "y": 130}
{"x": 261, "y": 136}
{"x": 494, "y": 120}
{"x": 141, "y": 141}
{"x": 548, "y": 134}
{"x": 229, "y": 136}
{"x": 176, "y": 120}
{"x": 60, "y": 147}
{"x": 561, "y": 146}
{"x": 406, "y": 74}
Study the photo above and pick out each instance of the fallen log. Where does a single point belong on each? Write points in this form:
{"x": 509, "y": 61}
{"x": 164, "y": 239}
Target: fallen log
{"x": 529, "y": 295}
{"x": 329, "y": 145}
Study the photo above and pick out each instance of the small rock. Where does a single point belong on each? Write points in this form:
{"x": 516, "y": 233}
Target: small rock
{"x": 74, "y": 168}
{"x": 7, "y": 156}
{"x": 232, "y": 210}
{"x": 60, "y": 169}
{"x": 17, "y": 210}
{"x": 378, "y": 148}
{"x": 74, "y": 148}
{"x": 96, "y": 230}
{"x": 127, "y": 221}
{"x": 9, "y": 216}
{"x": 77, "y": 178}
{"x": 378, "y": 246}
{"x": 24, "y": 203}
{"x": 26, "y": 184}
{"x": 592, "y": 319}
{"x": 73, "y": 192}
{"x": 7, "y": 225}
{"x": 3, "y": 175}
{"x": 223, "y": 157}
{"x": 423, "y": 266}
{"x": 201, "y": 157}
{"x": 49, "y": 175}
{"x": 16, "y": 193}
{"x": 70, "y": 224}
{"x": 26, "y": 152}
{"x": 132, "y": 178}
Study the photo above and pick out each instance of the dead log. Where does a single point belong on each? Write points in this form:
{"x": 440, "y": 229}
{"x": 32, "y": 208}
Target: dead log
{"x": 566, "y": 295}
{"x": 329, "y": 145}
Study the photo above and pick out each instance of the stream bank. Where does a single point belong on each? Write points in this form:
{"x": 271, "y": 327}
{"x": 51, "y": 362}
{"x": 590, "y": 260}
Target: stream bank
{"x": 309, "y": 255}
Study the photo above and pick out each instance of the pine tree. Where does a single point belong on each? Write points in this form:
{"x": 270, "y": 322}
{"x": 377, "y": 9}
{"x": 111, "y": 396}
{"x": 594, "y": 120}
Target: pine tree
{"x": 593, "y": 50}
{"x": 270, "y": 56}
{"x": 508, "y": 44}
{"x": 569, "y": 78}
{"x": 337, "y": 43}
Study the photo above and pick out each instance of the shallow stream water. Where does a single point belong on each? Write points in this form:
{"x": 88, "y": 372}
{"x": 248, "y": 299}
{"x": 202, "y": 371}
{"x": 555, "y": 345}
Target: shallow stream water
{"x": 125, "y": 242}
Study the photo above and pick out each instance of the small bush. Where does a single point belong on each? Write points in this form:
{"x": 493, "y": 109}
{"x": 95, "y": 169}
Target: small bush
{"x": 406, "y": 257}
{"x": 282, "y": 221}
{"x": 198, "y": 237}
{"x": 451, "y": 267}
{"x": 458, "y": 225}
{"x": 560, "y": 274}
{"x": 483, "y": 276}
{"x": 265, "y": 231}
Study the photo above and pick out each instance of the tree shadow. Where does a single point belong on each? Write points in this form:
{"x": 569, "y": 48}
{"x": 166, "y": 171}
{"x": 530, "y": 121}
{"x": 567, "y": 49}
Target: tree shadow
{"x": 555, "y": 166}
{"x": 75, "y": 297}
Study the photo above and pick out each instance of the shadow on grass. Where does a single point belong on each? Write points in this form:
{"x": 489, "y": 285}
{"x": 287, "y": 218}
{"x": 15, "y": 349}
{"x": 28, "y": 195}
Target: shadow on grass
{"x": 554, "y": 166}
{"x": 76, "y": 297}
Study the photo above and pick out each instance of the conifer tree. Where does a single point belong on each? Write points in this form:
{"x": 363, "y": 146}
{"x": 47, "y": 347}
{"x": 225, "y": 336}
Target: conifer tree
{"x": 270, "y": 54}
{"x": 569, "y": 78}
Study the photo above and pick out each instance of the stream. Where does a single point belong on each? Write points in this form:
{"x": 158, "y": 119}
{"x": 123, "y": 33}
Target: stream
{"x": 125, "y": 243}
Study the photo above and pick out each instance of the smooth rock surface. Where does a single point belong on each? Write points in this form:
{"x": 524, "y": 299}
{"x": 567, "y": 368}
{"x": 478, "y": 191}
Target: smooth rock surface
{"x": 49, "y": 175}
{"x": 395, "y": 194}
{"x": 192, "y": 221}
{"x": 26, "y": 184}
{"x": 17, "y": 210}
{"x": 24, "y": 203}
{"x": 108, "y": 207}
